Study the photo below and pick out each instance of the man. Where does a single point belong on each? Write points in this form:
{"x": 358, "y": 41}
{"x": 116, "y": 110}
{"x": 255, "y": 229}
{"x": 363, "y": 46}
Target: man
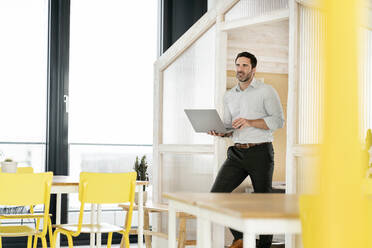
{"x": 254, "y": 110}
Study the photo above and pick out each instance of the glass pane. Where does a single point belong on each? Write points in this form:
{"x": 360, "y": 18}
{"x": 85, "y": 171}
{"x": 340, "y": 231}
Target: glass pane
{"x": 189, "y": 83}
{"x": 192, "y": 173}
{"x": 25, "y": 155}
{"x": 23, "y": 70}
{"x": 111, "y": 71}
{"x": 98, "y": 158}
{"x": 311, "y": 76}
{"x": 252, "y": 8}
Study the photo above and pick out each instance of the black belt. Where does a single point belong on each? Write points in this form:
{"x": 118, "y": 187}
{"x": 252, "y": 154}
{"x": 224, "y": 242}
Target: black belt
{"x": 248, "y": 145}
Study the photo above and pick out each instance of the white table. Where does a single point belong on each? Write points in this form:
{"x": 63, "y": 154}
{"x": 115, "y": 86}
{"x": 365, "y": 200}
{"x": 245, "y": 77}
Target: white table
{"x": 251, "y": 214}
{"x": 65, "y": 185}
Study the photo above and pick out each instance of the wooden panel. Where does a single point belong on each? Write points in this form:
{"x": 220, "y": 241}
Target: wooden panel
{"x": 268, "y": 42}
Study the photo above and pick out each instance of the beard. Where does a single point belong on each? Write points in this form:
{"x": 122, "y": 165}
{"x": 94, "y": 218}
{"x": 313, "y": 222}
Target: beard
{"x": 244, "y": 78}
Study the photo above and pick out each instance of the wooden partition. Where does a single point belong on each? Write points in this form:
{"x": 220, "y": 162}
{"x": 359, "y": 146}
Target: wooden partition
{"x": 196, "y": 71}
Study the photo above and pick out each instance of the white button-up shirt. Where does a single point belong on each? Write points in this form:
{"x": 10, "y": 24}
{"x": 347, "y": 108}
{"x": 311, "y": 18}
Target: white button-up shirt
{"x": 258, "y": 101}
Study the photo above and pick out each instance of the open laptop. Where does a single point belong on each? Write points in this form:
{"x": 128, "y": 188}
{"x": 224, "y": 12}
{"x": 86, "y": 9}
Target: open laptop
{"x": 205, "y": 120}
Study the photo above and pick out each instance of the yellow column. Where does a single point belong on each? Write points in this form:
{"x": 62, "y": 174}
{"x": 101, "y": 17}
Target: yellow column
{"x": 343, "y": 221}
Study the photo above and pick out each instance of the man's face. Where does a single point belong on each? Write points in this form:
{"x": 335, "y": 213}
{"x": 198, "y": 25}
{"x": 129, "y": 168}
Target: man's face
{"x": 244, "y": 71}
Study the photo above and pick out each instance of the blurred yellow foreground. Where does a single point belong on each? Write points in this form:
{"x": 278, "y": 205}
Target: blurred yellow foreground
{"x": 340, "y": 215}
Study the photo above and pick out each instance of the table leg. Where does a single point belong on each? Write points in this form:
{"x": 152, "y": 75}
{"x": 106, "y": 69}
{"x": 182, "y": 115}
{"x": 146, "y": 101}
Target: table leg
{"x": 58, "y": 216}
{"x": 99, "y": 214}
{"x": 171, "y": 225}
{"x": 140, "y": 216}
{"x": 249, "y": 240}
{"x": 92, "y": 215}
{"x": 203, "y": 227}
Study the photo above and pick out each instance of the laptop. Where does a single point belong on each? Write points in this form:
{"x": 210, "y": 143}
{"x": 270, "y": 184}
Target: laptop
{"x": 205, "y": 120}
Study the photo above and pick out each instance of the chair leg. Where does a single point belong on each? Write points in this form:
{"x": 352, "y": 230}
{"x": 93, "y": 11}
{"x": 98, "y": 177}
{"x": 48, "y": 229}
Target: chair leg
{"x": 127, "y": 241}
{"x": 122, "y": 242}
{"x": 43, "y": 242}
{"x": 1, "y": 243}
{"x": 50, "y": 232}
{"x": 182, "y": 233}
{"x": 37, "y": 228}
{"x": 29, "y": 241}
{"x": 70, "y": 243}
{"x": 55, "y": 235}
{"x": 146, "y": 226}
{"x": 35, "y": 241}
{"x": 109, "y": 240}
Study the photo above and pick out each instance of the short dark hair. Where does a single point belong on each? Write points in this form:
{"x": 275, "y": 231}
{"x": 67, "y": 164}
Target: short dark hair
{"x": 249, "y": 56}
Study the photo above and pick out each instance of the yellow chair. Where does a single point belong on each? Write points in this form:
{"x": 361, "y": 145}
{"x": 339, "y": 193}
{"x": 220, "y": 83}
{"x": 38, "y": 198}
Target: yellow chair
{"x": 31, "y": 215}
{"x": 26, "y": 189}
{"x": 102, "y": 188}
{"x": 23, "y": 170}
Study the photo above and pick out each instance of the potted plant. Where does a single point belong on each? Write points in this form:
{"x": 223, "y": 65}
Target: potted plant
{"x": 142, "y": 175}
{"x": 9, "y": 166}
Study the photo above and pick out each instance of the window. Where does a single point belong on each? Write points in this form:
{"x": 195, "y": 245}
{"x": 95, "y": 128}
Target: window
{"x": 111, "y": 85}
{"x": 23, "y": 77}
{"x": 106, "y": 72}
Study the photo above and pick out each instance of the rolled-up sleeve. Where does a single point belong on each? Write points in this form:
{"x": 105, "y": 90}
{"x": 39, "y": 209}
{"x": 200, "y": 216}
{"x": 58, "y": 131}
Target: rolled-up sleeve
{"x": 227, "y": 118}
{"x": 274, "y": 110}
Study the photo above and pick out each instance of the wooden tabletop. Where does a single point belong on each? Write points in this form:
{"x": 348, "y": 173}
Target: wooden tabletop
{"x": 65, "y": 181}
{"x": 243, "y": 205}
{"x": 71, "y": 181}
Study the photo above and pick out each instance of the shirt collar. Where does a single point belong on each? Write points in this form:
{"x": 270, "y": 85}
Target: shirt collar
{"x": 253, "y": 84}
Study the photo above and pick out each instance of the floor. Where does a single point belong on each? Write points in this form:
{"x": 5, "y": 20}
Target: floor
{"x": 112, "y": 246}
{"x": 136, "y": 246}
{"x": 104, "y": 246}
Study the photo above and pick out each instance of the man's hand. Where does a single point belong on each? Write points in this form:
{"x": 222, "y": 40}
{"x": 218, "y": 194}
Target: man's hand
{"x": 241, "y": 123}
{"x": 213, "y": 133}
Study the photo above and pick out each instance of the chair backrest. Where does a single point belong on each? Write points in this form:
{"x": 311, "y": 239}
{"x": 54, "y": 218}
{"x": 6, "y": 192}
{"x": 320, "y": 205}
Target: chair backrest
{"x": 23, "y": 170}
{"x": 25, "y": 188}
{"x": 106, "y": 188}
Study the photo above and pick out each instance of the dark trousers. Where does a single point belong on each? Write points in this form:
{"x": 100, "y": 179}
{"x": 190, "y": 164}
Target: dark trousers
{"x": 256, "y": 162}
